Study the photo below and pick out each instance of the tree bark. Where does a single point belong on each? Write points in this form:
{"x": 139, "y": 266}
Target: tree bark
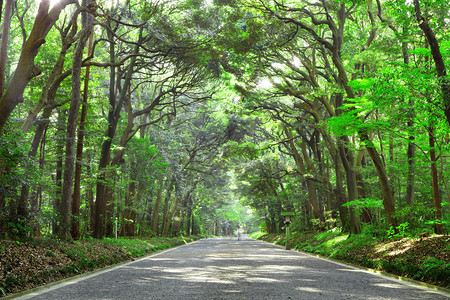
{"x": 59, "y": 168}
{"x": 127, "y": 215}
{"x": 72, "y": 121}
{"x": 4, "y": 45}
{"x": 411, "y": 155}
{"x": 317, "y": 209}
{"x": 170, "y": 214}
{"x": 75, "y": 230}
{"x": 411, "y": 152}
{"x": 190, "y": 204}
{"x": 340, "y": 197}
{"x": 348, "y": 162}
{"x": 155, "y": 218}
{"x": 166, "y": 202}
{"x": 309, "y": 183}
{"x": 366, "y": 215}
{"x": 113, "y": 119}
{"x": 23, "y": 201}
{"x": 437, "y": 58}
{"x": 388, "y": 199}
{"x": 55, "y": 78}
{"x": 438, "y": 229}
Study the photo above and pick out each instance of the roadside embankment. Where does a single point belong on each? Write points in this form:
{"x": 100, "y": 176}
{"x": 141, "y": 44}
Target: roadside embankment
{"x": 424, "y": 259}
{"x": 28, "y": 264}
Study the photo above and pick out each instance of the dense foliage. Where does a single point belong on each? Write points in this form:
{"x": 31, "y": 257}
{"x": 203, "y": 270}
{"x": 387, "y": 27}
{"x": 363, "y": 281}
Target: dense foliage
{"x": 123, "y": 118}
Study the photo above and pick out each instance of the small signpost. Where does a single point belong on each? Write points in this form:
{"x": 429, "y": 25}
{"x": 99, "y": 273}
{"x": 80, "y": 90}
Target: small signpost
{"x": 287, "y": 220}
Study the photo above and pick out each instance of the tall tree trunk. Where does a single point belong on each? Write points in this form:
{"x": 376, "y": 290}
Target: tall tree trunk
{"x": 170, "y": 214}
{"x": 411, "y": 152}
{"x": 47, "y": 100}
{"x": 325, "y": 173}
{"x": 317, "y": 209}
{"x": 108, "y": 221}
{"x": 54, "y": 80}
{"x": 72, "y": 121}
{"x": 194, "y": 230}
{"x": 100, "y": 205}
{"x": 366, "y": 214}
{"x": 155, "y": 218}
{"x": 127, "y": 221}
{"x": 340, "y": 198}
{"x": 36, "y": 196}
{"x": 437, "y": 58}
{"x": 313, "y": 203}
{"x": 189, "y": 216}
{"x": 348, "y": 161}
{"x": 4, "y": 45}
{"x": 75, "y": 231}
{"x": 23, "y": 200}
{"x": 177, "y": 222}
{"x": 113, "y": 119}
{"x": 411, "y": 155}
{"x": 411, "y": 147}
{"x": 119, "y": 160}
{"x": 388, "y": 199}
{"x": 90, "y": 201}
{"x": 166, "y": 203}
{"x": 434, "y": 182}
{"x": 60, "y": 126}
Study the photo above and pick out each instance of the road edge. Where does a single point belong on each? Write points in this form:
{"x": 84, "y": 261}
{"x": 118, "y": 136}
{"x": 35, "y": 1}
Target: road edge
{"x": 381, "y": 273}
{"x": 86, "y": 275}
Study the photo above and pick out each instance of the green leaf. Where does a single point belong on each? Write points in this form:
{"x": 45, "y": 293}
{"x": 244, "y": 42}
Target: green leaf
{"x": 421, "y": 51}
{"x": 362, "y": 84}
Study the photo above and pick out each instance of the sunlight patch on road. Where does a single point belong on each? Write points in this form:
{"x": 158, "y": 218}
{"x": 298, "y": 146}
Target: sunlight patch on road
{"x": 272, "y": 257}
{"x": 307, "y": 279}
{"x": 279, "y": 268}
{"x": 308, "y": 289}
{"x": 182, "y": 270}
{"x": 390, "y": 285}
{"x": 261, "y": 279}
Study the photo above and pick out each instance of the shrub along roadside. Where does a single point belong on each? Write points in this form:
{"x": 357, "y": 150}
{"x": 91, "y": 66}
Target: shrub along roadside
{"x": 25, "y": 265}
{"x": 424, "y": 259}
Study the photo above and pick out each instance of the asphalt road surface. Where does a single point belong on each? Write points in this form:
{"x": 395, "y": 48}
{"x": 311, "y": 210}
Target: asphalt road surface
{"x": 224, "y": 268}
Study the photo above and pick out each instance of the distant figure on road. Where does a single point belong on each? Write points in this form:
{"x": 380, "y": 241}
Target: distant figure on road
{"x": 239, "y": 234}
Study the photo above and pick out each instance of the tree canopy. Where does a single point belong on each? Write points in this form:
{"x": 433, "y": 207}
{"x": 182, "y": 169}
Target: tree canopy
{"x": 205, "y": 116}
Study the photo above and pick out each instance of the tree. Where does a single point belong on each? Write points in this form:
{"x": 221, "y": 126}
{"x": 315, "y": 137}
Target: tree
{"x": 26, "y": 68}
{"x": 69, "y": 165}
{"x": 441, "y": 69}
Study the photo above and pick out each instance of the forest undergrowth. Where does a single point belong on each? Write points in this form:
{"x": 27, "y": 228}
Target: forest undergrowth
{"x": 28, "y": 264}
{"x": 425, "y": 259}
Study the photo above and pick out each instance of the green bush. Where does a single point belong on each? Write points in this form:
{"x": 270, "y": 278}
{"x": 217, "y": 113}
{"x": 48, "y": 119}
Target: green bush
{"x": 436, "y": 270}
{"x": 399, "y": 231}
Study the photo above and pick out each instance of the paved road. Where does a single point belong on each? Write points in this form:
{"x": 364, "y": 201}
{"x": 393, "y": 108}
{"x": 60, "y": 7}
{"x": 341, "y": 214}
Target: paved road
{"x": 224, "y": 268}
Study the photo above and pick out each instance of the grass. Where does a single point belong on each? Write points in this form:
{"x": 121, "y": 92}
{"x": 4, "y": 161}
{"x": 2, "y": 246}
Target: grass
{"x": 39, "y": 261}
{"x": 427, "y": 260}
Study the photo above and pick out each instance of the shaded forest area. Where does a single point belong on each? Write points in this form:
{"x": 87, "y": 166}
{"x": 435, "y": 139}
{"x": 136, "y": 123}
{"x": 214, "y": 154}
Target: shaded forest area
{"x": 166, "y": 118}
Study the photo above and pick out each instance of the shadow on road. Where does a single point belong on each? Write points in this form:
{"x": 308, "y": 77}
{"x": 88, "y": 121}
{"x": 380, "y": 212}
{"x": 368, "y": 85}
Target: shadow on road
{"x": 225, "y": 268}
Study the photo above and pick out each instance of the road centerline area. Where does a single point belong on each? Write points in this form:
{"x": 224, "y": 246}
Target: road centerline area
{"x": 224, "y": 268}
